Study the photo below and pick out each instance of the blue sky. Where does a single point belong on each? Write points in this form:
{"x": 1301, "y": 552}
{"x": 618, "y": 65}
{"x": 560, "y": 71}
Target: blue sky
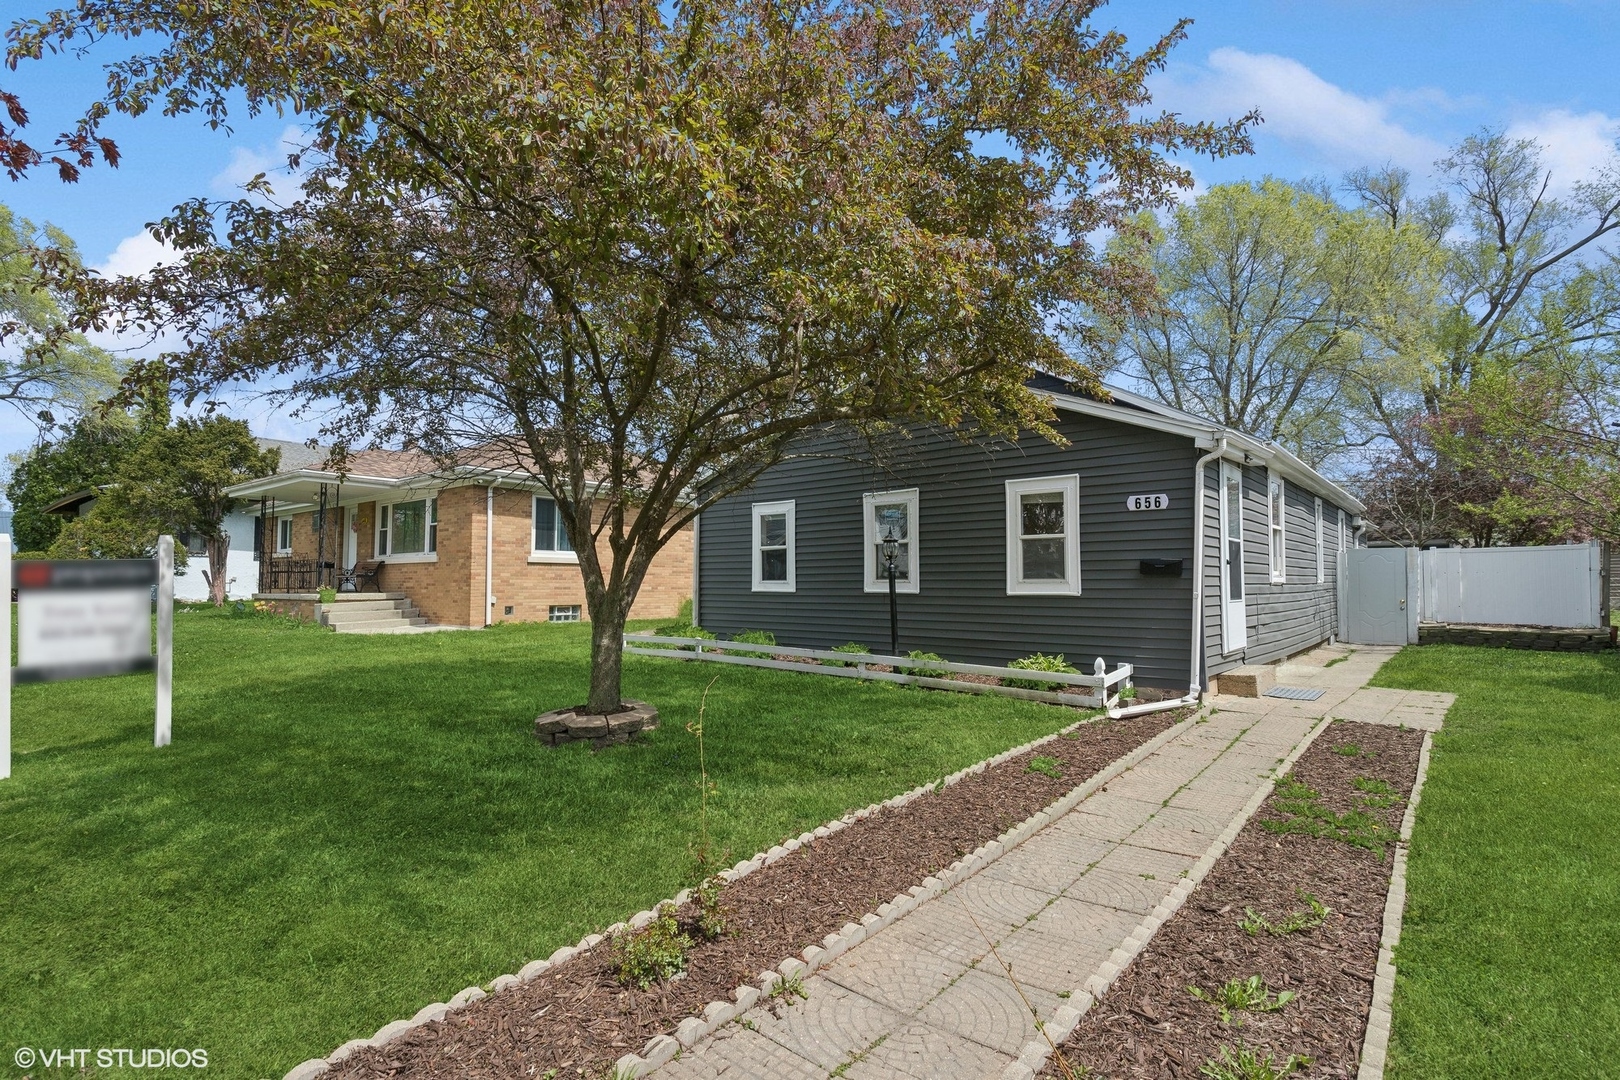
{"x": 1341, "y": 83}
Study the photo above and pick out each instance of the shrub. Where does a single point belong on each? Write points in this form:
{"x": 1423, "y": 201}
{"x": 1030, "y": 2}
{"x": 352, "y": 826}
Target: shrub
{"x": 1046, "y": 766}
{"x": 754, "y": 637}
{"x": 683, "y": 629}
{"x": 1040, "y": 662}
{"x": 849, "y": 647}
{"x": 711, "y": 920}
{"x": 927, "y": 672}
{"x": 653, "y": 953}
{"x": 684, "y": 612}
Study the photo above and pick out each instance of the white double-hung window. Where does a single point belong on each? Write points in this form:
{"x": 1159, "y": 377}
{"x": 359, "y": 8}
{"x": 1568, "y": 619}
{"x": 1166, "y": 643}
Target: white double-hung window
{"x": 406, "y": 529}
{"x": 892, "y": 513}
{"x": 1043, "y": 535}
{"x": 284, "y": 529}
{"x": 1276, "y": 507}
{"x": 773, "y": 547}
{"x": 551, "y": 543}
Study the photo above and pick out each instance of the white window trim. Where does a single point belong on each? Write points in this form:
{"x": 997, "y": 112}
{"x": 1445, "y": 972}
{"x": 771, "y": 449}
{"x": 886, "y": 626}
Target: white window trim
{"x": 1321, "y": 546}
{"x": 783, "y": 507}
{"x": 1343, "y": 538}
{"x": 1277, "y": 529}
{"x": 541, "y": 555}
{"x": 876, "y": 580}
{"x": 1070, "y": 487}
{"x": 428, "y": 531}
{"x": 289, "y": 524}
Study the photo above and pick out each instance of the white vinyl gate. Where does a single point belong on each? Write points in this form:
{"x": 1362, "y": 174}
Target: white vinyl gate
{"x": 1387, "y": 592}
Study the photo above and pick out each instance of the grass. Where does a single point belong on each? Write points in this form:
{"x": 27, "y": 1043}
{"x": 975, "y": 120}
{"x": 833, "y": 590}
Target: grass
{"x": 348, "y": 828}
{"x": 1510, "y": 950}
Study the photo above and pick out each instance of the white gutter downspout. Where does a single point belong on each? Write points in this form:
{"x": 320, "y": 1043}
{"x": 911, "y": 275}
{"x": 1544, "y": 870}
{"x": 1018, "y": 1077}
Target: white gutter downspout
{"x": 1195, "y": 690}
{"x": 489, "y": 554}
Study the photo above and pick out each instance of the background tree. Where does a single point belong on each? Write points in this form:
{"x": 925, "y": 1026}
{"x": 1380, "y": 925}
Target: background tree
{"x": 88, "y": 455}
{"x": 175, "y": 479}
{"x": 46, "y": 369}
{"x": 1275, "y": 304}
{"x": 639, "y": 247}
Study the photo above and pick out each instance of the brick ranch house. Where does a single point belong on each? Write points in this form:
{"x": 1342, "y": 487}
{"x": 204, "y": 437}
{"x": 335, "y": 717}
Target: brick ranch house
{"x": 464, "y": 547}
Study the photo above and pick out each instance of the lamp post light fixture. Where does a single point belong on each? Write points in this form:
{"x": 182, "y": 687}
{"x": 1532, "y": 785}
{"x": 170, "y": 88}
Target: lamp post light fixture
{"x": 891, "y": 555}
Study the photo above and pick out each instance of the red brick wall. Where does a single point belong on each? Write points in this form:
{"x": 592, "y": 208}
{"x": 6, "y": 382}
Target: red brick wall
{"x": 450, "y": 590}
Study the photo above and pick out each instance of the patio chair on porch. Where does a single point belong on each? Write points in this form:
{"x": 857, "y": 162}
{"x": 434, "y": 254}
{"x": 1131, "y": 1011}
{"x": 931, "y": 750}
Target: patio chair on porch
{"x": 361, "y": 574}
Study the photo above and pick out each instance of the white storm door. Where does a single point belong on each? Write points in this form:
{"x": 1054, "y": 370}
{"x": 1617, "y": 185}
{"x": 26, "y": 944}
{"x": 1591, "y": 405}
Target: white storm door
{"x": 350, "y": 540}
{"x": 1234, "y": 615}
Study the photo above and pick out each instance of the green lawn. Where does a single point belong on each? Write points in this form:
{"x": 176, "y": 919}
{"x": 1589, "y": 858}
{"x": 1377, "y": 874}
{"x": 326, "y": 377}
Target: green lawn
{"x": 347, "y": 828}
{"x": 1509, "y": 962}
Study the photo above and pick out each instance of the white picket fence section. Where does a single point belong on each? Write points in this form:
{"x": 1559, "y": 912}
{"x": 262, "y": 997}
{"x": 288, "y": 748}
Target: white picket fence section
{"x": 1519, "y": 586}
{"x": 1104, "y": 685}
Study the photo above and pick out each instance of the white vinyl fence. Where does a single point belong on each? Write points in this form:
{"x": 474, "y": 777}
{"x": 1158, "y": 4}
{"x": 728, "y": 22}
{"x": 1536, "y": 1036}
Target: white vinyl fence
{"x": 1098, "y": 690}
{"x": 1514, "y": 586}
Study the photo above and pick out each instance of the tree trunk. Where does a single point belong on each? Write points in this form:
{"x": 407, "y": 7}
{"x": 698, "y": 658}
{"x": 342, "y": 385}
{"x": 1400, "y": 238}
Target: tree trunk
{"x": 218, "y": 555}
{"x": 607, "y": 654}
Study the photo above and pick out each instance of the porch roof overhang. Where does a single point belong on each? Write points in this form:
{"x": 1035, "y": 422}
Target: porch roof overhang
{"x": 300, "y": 490}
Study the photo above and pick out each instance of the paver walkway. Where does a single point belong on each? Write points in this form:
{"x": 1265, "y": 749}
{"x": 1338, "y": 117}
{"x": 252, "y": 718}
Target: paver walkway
{"x": 928, "y": 998}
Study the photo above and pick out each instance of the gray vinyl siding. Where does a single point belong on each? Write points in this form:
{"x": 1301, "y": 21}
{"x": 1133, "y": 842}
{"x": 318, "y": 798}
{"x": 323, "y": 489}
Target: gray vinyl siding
{"x": 963, "y": 611}
{"x": 1282, "y": 619}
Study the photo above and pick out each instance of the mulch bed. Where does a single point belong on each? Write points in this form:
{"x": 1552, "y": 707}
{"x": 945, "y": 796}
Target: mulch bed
{"x": 1149, "y": 1025}
{"x": 578, "y": 1019}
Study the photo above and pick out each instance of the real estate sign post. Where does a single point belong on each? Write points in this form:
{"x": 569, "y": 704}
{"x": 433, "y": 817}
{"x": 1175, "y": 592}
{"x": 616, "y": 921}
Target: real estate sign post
{"x": 81, "y": 618}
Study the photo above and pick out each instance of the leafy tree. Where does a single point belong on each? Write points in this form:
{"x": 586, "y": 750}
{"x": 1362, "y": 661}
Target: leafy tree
{"x": 640, "y": 246}
{"x": 87, "y": 456}
{"x": 45, "y": 367}
{"x": 175, "y": 480}
{"x": 1275, "y": 304}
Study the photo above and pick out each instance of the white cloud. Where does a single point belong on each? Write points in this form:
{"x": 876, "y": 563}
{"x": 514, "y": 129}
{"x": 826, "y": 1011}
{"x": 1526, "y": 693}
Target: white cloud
{"x": 1302, "y": 108}
{"x": 1574, "y": 146}
{"x": 136, "y": 255}
{"x": 249, "y": 161}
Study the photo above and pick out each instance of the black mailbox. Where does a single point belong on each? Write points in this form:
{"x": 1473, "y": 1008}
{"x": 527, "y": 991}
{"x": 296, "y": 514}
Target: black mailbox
{"x": 1161, "y": 567}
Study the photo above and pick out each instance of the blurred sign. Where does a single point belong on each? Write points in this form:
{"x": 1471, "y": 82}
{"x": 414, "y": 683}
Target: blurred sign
{"x": 81, "y": 618}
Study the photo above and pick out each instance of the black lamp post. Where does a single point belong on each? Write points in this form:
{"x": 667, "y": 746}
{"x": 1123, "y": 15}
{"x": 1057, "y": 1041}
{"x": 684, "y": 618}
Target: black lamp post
{"x": 891, "y": 553}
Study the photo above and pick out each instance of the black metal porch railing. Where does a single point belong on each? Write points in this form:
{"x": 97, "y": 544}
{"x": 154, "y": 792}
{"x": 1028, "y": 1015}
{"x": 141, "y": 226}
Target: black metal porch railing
{"x": 284, "y": 575}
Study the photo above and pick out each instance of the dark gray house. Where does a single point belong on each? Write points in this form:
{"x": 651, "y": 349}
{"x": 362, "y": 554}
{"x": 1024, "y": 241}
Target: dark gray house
{"x": 1010, "y": 548}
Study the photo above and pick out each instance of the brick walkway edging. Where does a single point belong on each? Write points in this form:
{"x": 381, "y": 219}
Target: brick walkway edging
{"x": 661, "y": 1049}
{"x": 1033, "y": 1057}
{"x": 1376, "y": 1046}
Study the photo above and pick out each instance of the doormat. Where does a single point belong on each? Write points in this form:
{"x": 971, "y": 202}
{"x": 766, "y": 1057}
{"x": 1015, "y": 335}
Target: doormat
{"x": 1294, "y": 693}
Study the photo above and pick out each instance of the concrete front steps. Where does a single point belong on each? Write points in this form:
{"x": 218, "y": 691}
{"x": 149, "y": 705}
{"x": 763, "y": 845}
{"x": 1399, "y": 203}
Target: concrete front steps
{"x": 373, "y": 613}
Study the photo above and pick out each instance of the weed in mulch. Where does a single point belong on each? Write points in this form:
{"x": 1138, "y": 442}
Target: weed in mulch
{"x": 1243, "y": 1063}
{"x": 1304, "y": 812}
{"x": 1314, "y": 915}
{"x": 1242, "y": 995}
{"x": 1046, "y": 766}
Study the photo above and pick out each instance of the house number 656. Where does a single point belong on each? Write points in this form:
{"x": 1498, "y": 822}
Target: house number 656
{"x": 1147, "y": 502}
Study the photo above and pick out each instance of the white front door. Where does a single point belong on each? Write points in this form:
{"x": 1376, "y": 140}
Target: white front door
{"x": 1234, "y": 616}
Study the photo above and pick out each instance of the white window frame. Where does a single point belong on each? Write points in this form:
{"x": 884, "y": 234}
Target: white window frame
{"x": 382, "y": 534}
{"x": 560, "y": 613}
{"x": 1344, "y": 541}
{"x": 760, "y": 510}
{"x": 1277, "y": 527}
{"x": 1069, "y": 486}
{"x": 551, "y": 555}
{"x": 877, "y": 581}
{"x": 284, "y": 525}
{"x": 1321, "y": 546}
